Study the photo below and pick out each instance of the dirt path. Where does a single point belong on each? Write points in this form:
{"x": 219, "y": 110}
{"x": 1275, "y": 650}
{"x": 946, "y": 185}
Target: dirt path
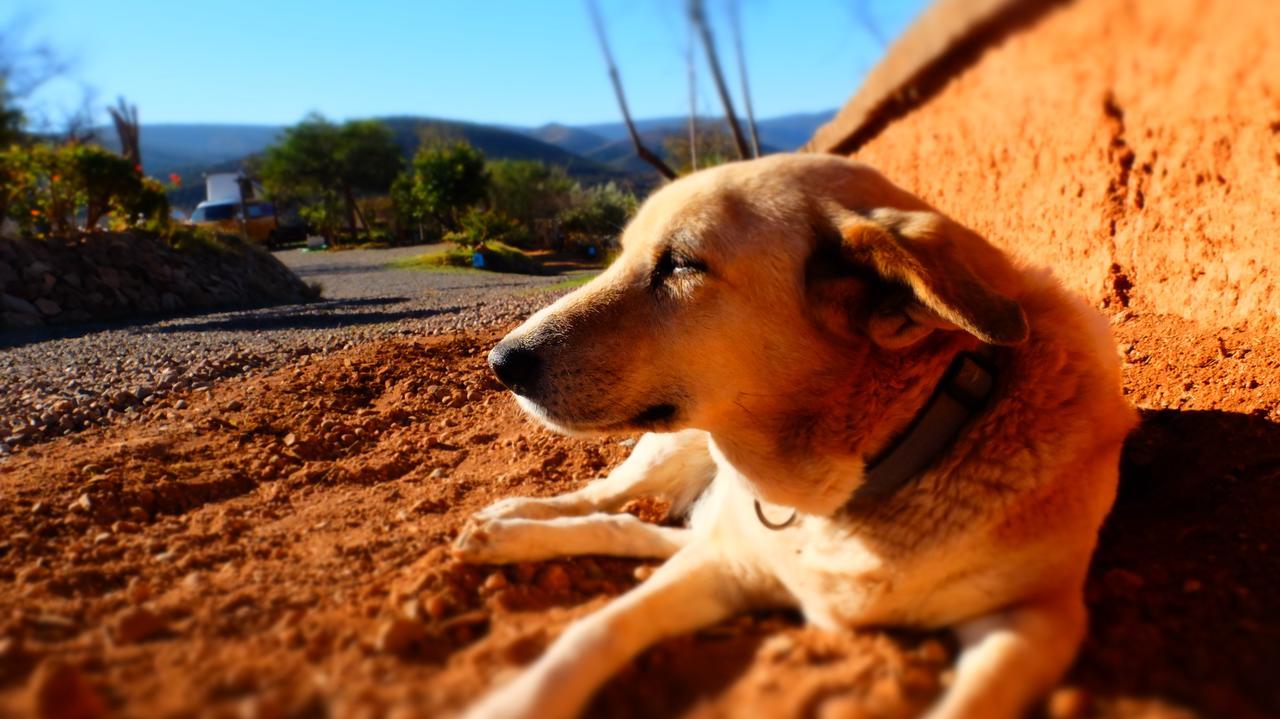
{"x": 277, "y": 548}
{"x": 59, "y": 380}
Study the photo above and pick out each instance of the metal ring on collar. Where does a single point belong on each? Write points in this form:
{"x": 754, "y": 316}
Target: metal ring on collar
{"x": 772, "y": 525}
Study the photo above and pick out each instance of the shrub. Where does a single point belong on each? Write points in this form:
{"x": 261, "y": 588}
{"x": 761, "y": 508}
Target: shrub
{"x": 55, "y": 190}
{"x": 481, "y": 226}
{"x": 531, "y": 193}
{"x": 598, "y": 216}
{"x": 444, "y": 182}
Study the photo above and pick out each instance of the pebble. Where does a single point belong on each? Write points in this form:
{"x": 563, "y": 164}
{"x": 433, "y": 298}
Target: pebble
{"x": 555, "y": 579}
{"x": 60, "y": 691}
{"x": 1068, "y": 703}
{"x": 400, "y": 635}
{"x": 136, "y": 625}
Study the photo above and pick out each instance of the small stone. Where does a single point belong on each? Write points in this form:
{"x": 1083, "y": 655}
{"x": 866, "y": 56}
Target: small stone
{"x": 436, "y": 473}
{"x": 495, "y": 581}
{"x": 82, "y": 504}
{"x": 17, "y": 305}
{"x": 628, "y": 442}
{"x": 1068, "y": 703}
{"x": 643, "y": 572}
{"x": 555, "y": 579}
{"x": 437, "y": 606}
{"x": 399, "y": 636}
{"x": 48, "y": 307}
{"x": 180, "y": 404}
{"x": 290, "y": 439}
{"x": 136, "y": 625}
{"x": 60, "y": 691}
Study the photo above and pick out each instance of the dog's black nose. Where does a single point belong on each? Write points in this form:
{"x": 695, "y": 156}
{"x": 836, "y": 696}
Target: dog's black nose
{"x": 515, "y": 366}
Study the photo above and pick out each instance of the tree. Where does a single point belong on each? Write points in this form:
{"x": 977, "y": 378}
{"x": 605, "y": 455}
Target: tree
{"x": 528, "y": 191}
{"x": 325, "y": 166}
{"x": 598, "y": 215}
{"x": 446, "y": 180}
{"x": 11, "y": 118}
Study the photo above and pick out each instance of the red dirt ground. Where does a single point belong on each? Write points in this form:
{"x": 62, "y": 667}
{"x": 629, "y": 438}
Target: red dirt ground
{"x": 278, "y": 549}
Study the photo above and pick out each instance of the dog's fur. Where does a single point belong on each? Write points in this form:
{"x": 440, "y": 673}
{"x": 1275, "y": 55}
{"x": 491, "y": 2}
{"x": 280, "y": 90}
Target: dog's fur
{"x": 774, "y": 324}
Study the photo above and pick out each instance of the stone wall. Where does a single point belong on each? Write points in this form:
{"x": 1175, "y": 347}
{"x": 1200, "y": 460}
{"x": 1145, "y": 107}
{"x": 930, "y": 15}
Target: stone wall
{"x": 1132, "y": 145}
{"x": 117, "y": 275}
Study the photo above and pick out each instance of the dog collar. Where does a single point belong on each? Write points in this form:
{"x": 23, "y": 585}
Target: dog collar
{"x": 964, "y": 391}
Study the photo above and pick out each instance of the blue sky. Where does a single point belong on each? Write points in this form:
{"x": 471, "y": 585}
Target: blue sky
{"x": 522, "y": 63}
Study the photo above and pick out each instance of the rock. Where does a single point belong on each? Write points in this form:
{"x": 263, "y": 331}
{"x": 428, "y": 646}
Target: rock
{"x": 60, "y": 691}
{"x": 36, "y": 269}
{"x": 400, "y": 635}
{"x": 290, "y": 439}
{"x": 16, "y": 304}
{"x": 1068, "y": 703}
{"x": 48, "y": 307}
{"x": 136, "y": 625}
{"x": 84, "y": 503}
{"x": 19, "y": 320}
{"x": 555, "y": 579}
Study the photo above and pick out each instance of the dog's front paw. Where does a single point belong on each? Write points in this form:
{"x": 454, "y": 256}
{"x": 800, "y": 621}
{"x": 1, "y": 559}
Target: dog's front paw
{"x": 473, "y": 543}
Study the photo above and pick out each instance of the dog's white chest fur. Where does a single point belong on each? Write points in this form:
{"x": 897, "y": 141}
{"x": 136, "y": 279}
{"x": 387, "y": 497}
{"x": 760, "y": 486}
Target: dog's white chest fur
{"x": 836, "y": 577}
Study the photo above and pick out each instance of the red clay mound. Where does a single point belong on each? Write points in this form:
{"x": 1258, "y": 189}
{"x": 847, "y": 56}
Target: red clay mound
{"x": 1133, "y": 146}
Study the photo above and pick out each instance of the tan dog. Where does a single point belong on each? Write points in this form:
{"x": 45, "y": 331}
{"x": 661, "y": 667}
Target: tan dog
{"x": 866, "y": 412}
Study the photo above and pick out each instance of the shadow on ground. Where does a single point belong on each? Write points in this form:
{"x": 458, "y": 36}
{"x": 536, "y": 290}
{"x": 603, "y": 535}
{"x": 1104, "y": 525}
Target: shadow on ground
{"x": 1185, "y": 582}
{"x": 326, "y": 315}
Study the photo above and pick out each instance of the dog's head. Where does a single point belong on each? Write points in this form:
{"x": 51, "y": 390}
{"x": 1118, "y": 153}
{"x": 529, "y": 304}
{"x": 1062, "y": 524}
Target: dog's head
{"x": 741, "y": 292}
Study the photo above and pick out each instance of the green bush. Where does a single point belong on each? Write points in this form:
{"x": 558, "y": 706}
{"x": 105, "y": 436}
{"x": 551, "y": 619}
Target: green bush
{"x": 597, "y": 217}
{"x": 531, "y": 193}
{"x": 445, "y": 181}
{"x": 50, "y": 190}
{"x": 480, "y": 226}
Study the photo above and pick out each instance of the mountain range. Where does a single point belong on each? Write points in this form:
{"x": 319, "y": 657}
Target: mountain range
{"x": 593, "y": 153}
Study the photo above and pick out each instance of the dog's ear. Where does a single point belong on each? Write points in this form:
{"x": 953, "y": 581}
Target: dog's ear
{"x": 911, "y": 279}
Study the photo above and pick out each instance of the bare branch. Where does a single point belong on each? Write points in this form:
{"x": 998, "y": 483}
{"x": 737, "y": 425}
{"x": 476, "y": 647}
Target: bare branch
{"x": 693, "y": 100}
{"x": 699, "y": 19}
{"x": 735, "y": 25}
{"x": 125, "y": 117}
{"x": 644, "y": 152}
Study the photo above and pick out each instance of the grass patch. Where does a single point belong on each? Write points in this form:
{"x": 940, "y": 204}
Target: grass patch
{"x": 498, "y": 257}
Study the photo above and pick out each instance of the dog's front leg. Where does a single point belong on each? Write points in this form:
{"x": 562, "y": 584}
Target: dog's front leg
{"x": 529, "y": 540}
{"x": 690, "y": 591}
{"x": 676, "y": 466}
{"x": 1010, "y": 659}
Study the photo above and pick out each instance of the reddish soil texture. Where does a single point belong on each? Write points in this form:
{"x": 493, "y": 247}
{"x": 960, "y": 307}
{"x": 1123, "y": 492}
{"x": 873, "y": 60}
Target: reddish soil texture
{"x": 278, "y": 548}
{"x": 1133, "y": 143}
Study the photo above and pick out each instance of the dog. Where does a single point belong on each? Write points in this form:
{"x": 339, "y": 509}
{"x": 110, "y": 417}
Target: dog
{"x": 865, "y": 411}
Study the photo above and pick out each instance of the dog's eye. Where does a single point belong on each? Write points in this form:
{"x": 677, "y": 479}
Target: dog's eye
{"x": 674, "y": 264}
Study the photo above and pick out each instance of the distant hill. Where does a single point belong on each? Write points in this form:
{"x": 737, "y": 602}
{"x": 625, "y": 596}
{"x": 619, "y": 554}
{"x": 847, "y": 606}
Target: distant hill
{"x": 573, "y": 139}
{"x": 590, "y": 153}
{"x": 786, "y": 132}
{"x": 497, "y": 143}
{"x": 172, "y": 147}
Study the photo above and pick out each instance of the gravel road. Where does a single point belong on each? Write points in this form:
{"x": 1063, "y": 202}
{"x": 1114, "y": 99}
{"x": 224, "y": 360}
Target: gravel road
{"x": 58, "y": 381}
